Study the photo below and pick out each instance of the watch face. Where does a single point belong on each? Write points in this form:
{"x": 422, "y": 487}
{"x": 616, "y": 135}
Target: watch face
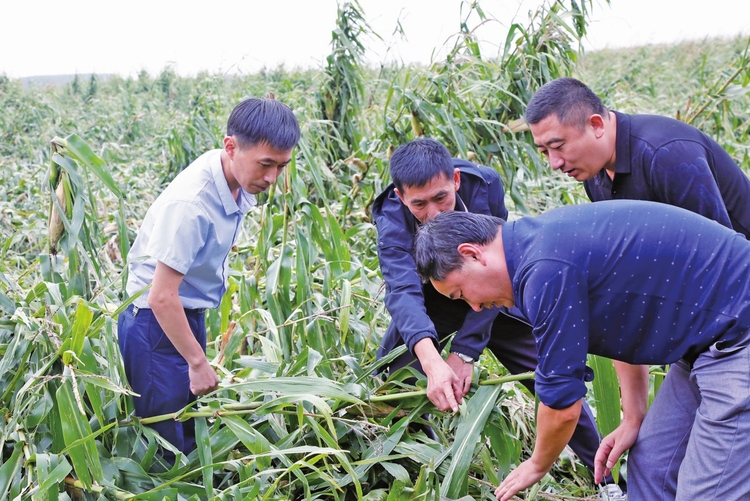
{"x": 466, "y": 358}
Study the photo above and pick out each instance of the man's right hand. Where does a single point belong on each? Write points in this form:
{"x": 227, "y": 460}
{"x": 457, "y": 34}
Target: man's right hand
{"x": 444, "y": 388}
{"x": 203, "y": 378}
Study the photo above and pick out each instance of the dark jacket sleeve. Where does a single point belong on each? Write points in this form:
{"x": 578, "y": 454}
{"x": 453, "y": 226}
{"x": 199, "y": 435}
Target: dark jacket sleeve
{"x": 483, "y": 194}
{"x": 404, "y": 298}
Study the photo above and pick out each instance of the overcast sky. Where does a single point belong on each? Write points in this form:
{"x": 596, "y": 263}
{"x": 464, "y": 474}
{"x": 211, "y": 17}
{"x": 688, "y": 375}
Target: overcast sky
{"x": 42, "y": 37}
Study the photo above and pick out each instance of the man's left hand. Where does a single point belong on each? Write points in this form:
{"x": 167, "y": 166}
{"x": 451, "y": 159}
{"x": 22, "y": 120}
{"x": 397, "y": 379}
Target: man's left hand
{"x": 464, "y": 372}
{"x": 527, "y": 474}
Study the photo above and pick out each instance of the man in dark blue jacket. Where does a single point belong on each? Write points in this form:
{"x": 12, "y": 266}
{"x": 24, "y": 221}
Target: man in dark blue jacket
{"x": 426, "y": 182}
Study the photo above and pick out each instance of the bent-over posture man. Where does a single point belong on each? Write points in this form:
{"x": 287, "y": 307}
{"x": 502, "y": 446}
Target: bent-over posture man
{"x": 638, "y": 282}
{"x": 182, "y": 251}
{"x": 640, "y": 157}
{"x": 426, "y": 182}
{"x": 636, "y": 157}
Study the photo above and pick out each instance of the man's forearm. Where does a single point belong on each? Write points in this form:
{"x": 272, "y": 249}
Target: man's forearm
{"x": 554, "y": 429}
{"x": 171, "y": 317}
{"x": 633, "y": 390}
{"x": 164, "y": 301}
{"x": 427, "y": 354}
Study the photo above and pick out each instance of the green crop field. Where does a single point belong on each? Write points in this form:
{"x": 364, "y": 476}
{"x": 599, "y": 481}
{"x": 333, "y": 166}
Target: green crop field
{"x": 301, "y": 412}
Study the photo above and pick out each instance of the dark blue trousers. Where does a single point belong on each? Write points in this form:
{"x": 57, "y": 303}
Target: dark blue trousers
{"x": 158, "y": 373}
{"x": 513, "y": 344}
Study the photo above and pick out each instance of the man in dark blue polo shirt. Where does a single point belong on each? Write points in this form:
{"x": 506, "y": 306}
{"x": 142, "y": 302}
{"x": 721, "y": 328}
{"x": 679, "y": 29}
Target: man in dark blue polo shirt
{"x": 636, "y": 157}
{"x": 638, "y": 282}
{"x": 640, "y": 157}
{"x": 426, "y": 182}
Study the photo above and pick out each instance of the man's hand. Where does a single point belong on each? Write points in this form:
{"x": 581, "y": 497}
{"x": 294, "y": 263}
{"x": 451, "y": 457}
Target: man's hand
{"x": 203, "y": 378}
{"x": 444, "y": 389}
{"x": 525, "y": 475}
{"x": 463, "y": 371}
{"x": 612, "y": 447}
{"x": 554, "y": 427}
{"x": 634, "y": 391}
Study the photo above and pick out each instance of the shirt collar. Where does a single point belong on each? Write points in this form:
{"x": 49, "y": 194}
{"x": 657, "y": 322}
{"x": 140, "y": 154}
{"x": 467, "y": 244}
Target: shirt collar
{"x": 460, "y": 205}
{"x": 245, "y": 202}
{"x": 622, "y": 143}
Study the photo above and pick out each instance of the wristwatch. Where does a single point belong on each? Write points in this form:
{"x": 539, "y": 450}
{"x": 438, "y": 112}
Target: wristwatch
{"x": 465, "y": 358}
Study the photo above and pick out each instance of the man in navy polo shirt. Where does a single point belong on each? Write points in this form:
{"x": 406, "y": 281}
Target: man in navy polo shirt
{"x": 636, "y": 157}
{"x": 638, "y": 282}
{"x": 182, "y": 252}
{"x": 426, "y": 182}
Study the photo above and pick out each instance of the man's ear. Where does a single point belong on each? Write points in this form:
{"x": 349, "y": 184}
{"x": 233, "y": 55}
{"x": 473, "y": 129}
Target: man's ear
{"x": 457, "y": 178}
{"x": 471, "y": 252}
{"x": 400, "y": 196}
{"x": 230, "y": 146}
{"x": 597, "y": 124}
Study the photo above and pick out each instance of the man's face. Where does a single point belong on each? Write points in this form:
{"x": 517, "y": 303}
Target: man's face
{"x": 438, "y": 195}
{"x": 481, "y": 282}
{"x": 575, "y": 152}
{"x": 256, "y": 167}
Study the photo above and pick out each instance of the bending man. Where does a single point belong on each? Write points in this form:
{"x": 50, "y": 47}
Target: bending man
{"x": 638, "y": 282}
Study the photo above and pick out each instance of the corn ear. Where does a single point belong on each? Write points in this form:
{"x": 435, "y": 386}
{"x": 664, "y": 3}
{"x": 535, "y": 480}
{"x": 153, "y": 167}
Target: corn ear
{"x": 362, "y": 166}
{"x": 416, "y": 125}
{"x": 518, "y": 125}
{"x": 56, "y": 228}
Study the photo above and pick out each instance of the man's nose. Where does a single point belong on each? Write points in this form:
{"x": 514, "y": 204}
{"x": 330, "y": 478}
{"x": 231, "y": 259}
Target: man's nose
{"x": 271, "y": 176}
{"x": 432, "y": 211}
{"x": 475, "y": 306}
{"x": 556, "y": 161}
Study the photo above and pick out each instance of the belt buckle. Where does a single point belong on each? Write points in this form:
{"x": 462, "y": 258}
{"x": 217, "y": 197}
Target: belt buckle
{"x": 135, "y": 310}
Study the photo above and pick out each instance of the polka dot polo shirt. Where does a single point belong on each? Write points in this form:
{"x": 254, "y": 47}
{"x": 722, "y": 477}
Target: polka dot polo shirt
{"x": 641, "y": 282}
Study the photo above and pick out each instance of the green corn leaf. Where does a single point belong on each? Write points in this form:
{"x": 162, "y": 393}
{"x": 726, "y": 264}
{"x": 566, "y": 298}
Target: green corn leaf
{"x": 9, "y": 469}
{"x": 505, "y": 448}
{"x": 298, "y": 386}
{"x": 83, "y": 317}
{"x": 606, "y": 394}
{"x": 75, "y": 427}
{"x": 85, "y": 155}
{"x": 203, "y": 445}
{"x": 346, "y": 299}
{"x": 6, "y": 304}
{"x": 49, "y": 480}
{"x": 255, "y": 442}
{"x": 398, "y": 472}
{"x": 455, "y": 483}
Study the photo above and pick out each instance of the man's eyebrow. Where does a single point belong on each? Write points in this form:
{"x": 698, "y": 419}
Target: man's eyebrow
{"x": 415, "y": 200}
{"x": 273, "y": 160}
{"x": 553, "y": 140}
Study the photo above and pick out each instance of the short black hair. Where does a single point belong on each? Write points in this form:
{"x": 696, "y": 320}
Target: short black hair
{"x": 418, "y": 162}
{"x": 263, "y": 121}
{"x": 569, "y": 99}
{"x": 436, "y": 243}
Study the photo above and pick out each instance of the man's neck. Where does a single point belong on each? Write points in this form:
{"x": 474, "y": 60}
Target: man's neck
{"x": 611, "y": 132}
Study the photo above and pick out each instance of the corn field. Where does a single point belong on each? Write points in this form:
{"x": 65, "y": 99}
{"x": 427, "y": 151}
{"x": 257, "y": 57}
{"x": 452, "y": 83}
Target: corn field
{"x": 302, "y": 410}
